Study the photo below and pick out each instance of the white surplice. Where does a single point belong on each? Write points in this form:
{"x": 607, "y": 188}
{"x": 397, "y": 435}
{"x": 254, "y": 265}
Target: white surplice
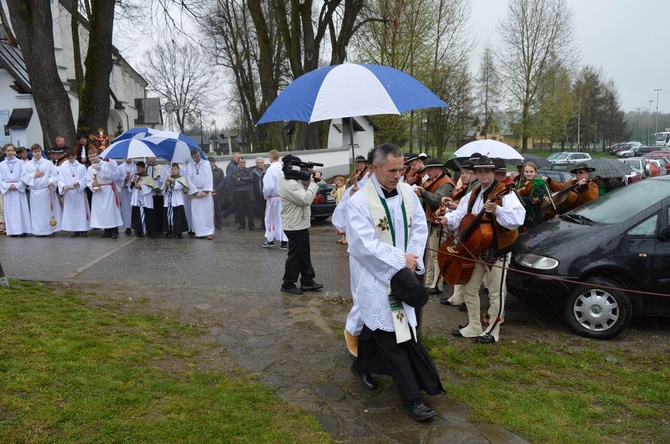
{"x": 128, "y": 170}
{"x": 72, "y": 186}
{"x": 44, "y": 204}
{"x": 199, "y": 177}
{"x": 17, "y": 211}
{"x": 105, "y": 211}
{"x": 373, "y": 262}
{"x": 273, "y": 225}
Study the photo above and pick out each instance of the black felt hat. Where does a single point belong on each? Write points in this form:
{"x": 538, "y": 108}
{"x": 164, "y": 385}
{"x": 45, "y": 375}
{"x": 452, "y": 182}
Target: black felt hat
{"x": 432, "y": 163}
{"x": 407, "y": 288}
{"x": 581, "y": 166}
{"x": 361, "y": 159}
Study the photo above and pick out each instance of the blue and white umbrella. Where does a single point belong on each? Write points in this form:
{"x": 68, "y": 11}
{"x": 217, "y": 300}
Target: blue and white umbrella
{"x": 135, "y": 133}
{"x": 133, "y": 148}
{"x": 177, "y": 145}
{"x": 350, "y": 90}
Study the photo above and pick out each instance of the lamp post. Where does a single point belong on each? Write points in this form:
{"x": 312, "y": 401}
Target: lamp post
{"x": 649, "y": 127}
{"x": 202, "y": 140}
{"x": 657, "y": 91}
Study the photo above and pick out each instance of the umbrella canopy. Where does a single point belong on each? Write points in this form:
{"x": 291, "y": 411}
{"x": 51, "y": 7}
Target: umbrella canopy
{"x": 537, "y": 160}
{"x": 133, "y": 148}
{"x": 609, "y": 168}
{"x": 178, "y": 146}
{"x": 658, "y": 155}
{"x": 489, "y": 148}
{"x": 135, "y": 133}
{"x": 348, "y": 90}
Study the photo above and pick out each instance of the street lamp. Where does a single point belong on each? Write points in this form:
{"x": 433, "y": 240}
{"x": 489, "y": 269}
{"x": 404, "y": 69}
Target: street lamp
{"x": 649, "y": 127}
{"x": 657, "y": 91}
{"x": 202, "y": 140}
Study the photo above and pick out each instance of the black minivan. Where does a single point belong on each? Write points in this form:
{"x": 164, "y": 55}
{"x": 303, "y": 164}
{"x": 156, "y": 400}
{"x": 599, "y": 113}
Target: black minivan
{"x": 602, "y": 263}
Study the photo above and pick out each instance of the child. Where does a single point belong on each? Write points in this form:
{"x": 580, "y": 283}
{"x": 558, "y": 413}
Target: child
{"x": 175, "y": 216}
{"x": 338, "y": 192}
{"x": 143, "y": 186}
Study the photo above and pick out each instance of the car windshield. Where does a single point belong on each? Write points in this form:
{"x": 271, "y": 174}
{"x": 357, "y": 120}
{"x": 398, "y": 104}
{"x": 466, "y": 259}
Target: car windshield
{"x": 617, "y": 206}
{"x": 561, "y": 156}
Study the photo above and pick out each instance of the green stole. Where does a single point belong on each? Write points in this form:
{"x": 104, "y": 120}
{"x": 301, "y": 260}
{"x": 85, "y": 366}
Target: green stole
{"x": 383, "y": 221}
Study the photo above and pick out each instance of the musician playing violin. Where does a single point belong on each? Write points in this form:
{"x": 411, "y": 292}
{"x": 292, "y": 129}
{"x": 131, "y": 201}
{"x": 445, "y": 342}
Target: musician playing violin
{"x": 583, "y": 188}
{"x": 532, "y": 190}
{"x": 437, "y": 185}
{"x": 361, "y": 170}
{"x": 505, "y": 214}
{"x": 413, "y": 166}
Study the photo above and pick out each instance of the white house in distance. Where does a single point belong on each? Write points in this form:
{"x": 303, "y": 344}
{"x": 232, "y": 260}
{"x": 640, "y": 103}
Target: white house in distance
{"x": 19, "y": 122}
{"x": 339, "y": 134}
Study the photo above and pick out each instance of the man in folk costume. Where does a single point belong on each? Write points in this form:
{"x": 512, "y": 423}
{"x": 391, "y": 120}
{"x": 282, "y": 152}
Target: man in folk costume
{"x": 387, "y": 231}
{"x": 200, "y": 186}
{"x": 360, "y": 171}
{"x": 17, "y": 211}
{"x": 105, "y": 205}
{"x": 273, "y": 225}
{"x": 506, "y": 214}
{"x": 72, "y": 186}
{"x": 142, "y": 200}
{"x": 174, "y": 187}
{"x": 580, "y": 190}
{"x": 128, "y": 170}
{"x": 437, "y": 184}
{"x": 41, "y": 177}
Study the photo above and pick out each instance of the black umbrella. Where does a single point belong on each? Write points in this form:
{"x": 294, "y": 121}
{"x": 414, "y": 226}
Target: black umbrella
{"x": 541, "y": 162}
{"x": 608, "y": 168}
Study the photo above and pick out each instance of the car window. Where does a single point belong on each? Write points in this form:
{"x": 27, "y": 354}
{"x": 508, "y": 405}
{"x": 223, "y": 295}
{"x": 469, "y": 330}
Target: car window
{"x": 646, "y": 228}
{"x": 562, "y": 156}
{"x": 619, "y": 205}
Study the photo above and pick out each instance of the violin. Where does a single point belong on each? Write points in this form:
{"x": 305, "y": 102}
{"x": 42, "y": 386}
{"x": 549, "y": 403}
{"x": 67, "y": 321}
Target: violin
{"x": 559, "y": 202}
{"x": 456, "y": 256}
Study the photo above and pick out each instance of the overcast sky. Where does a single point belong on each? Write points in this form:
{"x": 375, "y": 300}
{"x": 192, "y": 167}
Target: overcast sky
{"x": 624, "y": 38}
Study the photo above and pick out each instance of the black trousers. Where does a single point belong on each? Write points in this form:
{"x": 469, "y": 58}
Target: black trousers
{"x": 149, "y": 220}
{"x": 299, "y": 260}
{"x": 245, "y": 210}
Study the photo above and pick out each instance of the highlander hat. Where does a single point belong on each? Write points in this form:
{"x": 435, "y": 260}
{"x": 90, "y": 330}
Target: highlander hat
{"x": 501, "y": 165}
{"x": 361, "y": 159}
{"x": 432, "y": 163}
{"x": 485, "y": 163}
{"x": 581, "y": 166}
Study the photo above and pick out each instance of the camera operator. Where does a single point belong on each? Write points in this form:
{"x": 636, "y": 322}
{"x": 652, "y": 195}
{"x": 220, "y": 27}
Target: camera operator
{"x": 297, "y": 190}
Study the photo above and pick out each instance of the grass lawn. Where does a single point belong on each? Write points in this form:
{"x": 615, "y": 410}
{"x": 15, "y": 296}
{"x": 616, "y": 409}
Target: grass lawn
{"x": 561, "y": 393}
{"x": 73, "y": 372}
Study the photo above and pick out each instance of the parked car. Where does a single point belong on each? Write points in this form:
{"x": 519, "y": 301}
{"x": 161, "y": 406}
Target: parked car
{"x": 603, "y": 263}
{"x": 567, "y": 156}
{"x": 555, "y": 175}
{"x": 640, "y": 165}
{"x": 638, "y": 151}
{"x": 323, "y": 205}
{"x": 553, "y": 156}
{"x": 623, "y": 146}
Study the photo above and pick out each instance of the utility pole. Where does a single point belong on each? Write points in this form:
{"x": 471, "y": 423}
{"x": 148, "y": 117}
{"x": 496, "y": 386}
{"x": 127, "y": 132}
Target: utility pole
{"x": 649, "y": 127}
{"x": 657, "y": 91}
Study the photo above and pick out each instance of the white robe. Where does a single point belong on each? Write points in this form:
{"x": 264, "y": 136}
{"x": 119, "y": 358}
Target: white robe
{"x": 105, "y": 211}
{"x": 273, "y": 225}
{"x": 199, "y": 177}
{"x": 44, "y": 204}
{"x": 76, "y": 211}
{"x": 374, "y": 263}
{"x": 126, "y": 192}
{"x": 17, "y": 211}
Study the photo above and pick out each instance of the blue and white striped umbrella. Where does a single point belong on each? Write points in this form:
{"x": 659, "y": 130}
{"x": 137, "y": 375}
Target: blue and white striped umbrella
{"x": 350, "y": 90}
{"x": 135, "y": 133}
{"x": 133, "y": 148}
{"x": 177, "y": 145}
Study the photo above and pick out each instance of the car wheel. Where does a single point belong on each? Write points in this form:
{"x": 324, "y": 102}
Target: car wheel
{"x": 598, "y": 309}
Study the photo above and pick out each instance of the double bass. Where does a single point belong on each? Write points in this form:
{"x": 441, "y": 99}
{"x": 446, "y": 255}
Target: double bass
{"x": 559, "y": 202}
{"x": 456, "y": 256}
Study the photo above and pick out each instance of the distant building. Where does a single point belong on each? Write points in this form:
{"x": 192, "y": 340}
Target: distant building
{"x": 339, "y": 134}
{"x": 19, "y": 122}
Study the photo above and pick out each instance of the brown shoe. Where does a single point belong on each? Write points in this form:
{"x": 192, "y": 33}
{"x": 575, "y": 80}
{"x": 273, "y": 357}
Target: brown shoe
{"x": 352, "y": 342}
{"x": 485, "y": 319}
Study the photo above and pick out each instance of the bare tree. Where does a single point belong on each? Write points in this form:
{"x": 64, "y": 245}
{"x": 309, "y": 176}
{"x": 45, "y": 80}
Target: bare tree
{"x": 533, "y": 32}
{"x": 489, "y": 88}
{"x": 183, "y": 76}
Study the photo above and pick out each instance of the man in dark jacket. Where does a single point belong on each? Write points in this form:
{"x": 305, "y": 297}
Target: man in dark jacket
{"x": 257, "y": 174}
{"x": 244, "y": 195}
{"x": 218, "y": 180}
{"x": 229, "y": 189}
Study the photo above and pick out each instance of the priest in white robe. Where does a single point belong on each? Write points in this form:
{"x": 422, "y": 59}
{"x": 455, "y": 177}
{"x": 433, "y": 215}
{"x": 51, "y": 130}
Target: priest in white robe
{"x": 387, "y": 232}
{"x": 72, "y": 186}
{"x": 273, "y": 226}
{"x": 17, "y": 211}
{"x": 105, "y": 208}
{"x": 41, "y": 177}
{"x": 200, "y": 187}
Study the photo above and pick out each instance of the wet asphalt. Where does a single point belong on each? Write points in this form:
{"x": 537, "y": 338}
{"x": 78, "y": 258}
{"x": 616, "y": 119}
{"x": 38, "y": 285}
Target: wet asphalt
{"x": 293, "y": 344}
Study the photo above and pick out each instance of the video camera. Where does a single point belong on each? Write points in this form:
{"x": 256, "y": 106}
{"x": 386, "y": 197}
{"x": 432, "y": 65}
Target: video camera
{"x": 294, "y": 168}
